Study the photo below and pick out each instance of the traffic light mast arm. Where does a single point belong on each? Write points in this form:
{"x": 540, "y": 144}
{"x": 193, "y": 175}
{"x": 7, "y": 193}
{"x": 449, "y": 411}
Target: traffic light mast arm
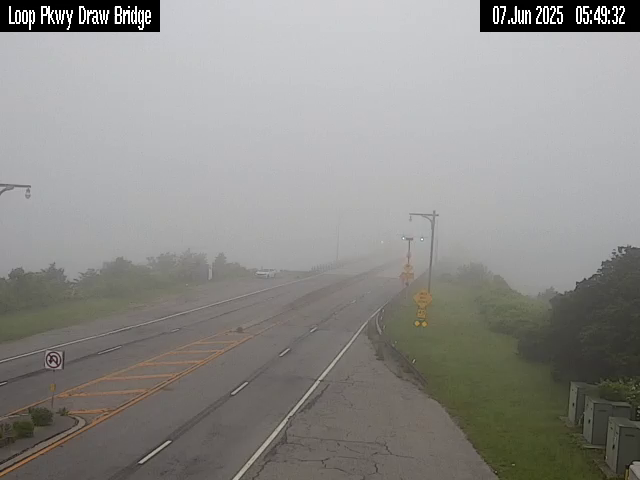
{"x": 428, "y": 216}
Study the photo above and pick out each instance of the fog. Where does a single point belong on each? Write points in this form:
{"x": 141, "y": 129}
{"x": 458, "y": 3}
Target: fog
{"x": 255, "y": 128}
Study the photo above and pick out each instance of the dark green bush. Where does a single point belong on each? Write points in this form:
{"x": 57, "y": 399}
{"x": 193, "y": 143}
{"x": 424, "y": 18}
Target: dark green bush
{"x": 596, "y": 326}
{"x": 23, "y": 428}
{"x": 41, "y": 416}
{"x": 117, "y": 278}
{"x": 63, "y": 412}
{"x": 622, "y": 390}
{"x": 510, "y": 312}
{"x": 7, "y": 430}
{"x": 7, "y": 434}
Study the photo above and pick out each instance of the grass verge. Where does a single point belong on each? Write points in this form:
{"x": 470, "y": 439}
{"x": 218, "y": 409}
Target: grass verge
{"x": 22, "y": 324}
{"x": 508, "y": 408}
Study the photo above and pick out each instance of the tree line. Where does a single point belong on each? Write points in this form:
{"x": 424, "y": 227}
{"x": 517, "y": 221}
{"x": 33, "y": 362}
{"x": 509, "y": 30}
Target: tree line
{"x": 117, "y": 278}
{"x": 590, "y": 333}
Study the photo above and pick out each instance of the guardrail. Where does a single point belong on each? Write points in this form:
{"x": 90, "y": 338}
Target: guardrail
{"x": 377, "y": 326}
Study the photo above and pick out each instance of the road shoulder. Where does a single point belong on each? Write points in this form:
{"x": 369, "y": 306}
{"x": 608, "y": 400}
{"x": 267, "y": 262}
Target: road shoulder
{"x": 367, "y": 423}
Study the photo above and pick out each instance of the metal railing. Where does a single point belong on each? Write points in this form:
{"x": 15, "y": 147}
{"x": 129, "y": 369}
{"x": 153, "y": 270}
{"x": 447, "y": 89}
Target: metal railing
{"x": 378, "y": 324}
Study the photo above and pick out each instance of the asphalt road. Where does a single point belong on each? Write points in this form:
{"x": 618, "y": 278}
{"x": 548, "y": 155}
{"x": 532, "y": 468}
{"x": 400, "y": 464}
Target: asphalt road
{"x": 193, "y": 398}
{"x": 369, "y": 420}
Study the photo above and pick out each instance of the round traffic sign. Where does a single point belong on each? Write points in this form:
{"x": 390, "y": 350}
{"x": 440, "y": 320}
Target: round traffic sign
{"x": 53, "y": 360}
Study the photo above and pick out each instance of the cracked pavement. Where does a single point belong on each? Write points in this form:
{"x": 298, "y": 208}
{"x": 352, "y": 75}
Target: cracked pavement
{"x": 368, "y": 424}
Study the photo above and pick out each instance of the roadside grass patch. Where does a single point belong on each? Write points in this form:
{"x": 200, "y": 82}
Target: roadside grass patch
{"x": 14, "y": 326}
{"x": 508, "y": 408}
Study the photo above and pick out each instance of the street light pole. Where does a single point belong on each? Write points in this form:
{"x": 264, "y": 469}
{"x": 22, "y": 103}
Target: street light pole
{"x": 432, "y": 219}
{"x": 6, "y": 187}
{"x": 338, "y": 242}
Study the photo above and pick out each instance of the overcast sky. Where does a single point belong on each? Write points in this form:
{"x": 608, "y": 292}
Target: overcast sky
{"x": 251, "y": 127}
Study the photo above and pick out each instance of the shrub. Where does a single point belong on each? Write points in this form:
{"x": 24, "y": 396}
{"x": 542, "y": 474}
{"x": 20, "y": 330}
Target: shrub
{"x": 41, "y": 416}
{"x": 23, "y": 428}
{"x": 6, "y": 429}
{"x": 507, "y": 311}
{"x": 622, "y": 390}
{"x": 7, "y": 434}
{"x": 533, "y": 344}
{"x": 446, "y": 277}
{"x": 596, "y": 326}
{"x": 474, "y": 275}
{"x": 63, "y": 412}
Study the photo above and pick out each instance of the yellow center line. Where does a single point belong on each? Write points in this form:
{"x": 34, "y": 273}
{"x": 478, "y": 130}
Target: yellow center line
{"x": 213, "y": 343}
{"x": 141, "y": 377}
{"x": 178, "y": 362}
{"x": 180, "y": 352}
{"x": 134, "y": 400}
{"x": 96, "y": 411}
{"x": 134, "y": 391}
{"x": 117, "y": 373}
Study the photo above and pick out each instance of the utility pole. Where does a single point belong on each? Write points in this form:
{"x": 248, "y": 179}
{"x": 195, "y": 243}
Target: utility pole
{"x": 338, "y": 242}
{"x": 435, "y": 256}
{"x": 432, "y": 219}
{"x": 5, "y": 187}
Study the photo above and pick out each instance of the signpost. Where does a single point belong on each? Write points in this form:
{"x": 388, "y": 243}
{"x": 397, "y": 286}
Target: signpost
{"x": 53, "y": 360}
{"x": 423, "y": 300}
{"x": 407, "y": 274}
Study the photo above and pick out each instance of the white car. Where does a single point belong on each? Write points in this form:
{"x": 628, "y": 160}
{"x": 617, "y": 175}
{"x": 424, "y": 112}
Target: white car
{"x": 266, "y": 273}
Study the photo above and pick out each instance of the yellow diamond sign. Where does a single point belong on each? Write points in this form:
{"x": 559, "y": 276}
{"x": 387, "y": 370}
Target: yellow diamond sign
{"x": 423, "y": 298}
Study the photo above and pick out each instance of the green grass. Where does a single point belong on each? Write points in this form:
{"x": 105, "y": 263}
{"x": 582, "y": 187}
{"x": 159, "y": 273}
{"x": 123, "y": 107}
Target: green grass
{"x": 22, "y": 324}
{"x": 508, "y": 408}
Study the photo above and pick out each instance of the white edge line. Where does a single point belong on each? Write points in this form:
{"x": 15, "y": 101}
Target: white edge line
{"x": 110, "y": 349}
{"x": 3, "y": 384}
{"x": 130, "y": 327}
{"x": 174, "y": 330}
{"x": 239, "y": 388}
{"x": 298, "y": 405}
{"x": 284, "y": 352}
{"x": 154, "y": 452}
{"x": 313, "y": 329}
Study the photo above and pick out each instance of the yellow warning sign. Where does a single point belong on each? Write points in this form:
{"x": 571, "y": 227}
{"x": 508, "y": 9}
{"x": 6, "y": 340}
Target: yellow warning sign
{"x": 408, "y": 268}
{"x": 423, "y": 298}
{"x": 406, "y": 277}
{"x": 424, "y": 324}
{"x": 421, "y": 313}
{"x": 417, "y": 323}
{"x": 52, "y": 388}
